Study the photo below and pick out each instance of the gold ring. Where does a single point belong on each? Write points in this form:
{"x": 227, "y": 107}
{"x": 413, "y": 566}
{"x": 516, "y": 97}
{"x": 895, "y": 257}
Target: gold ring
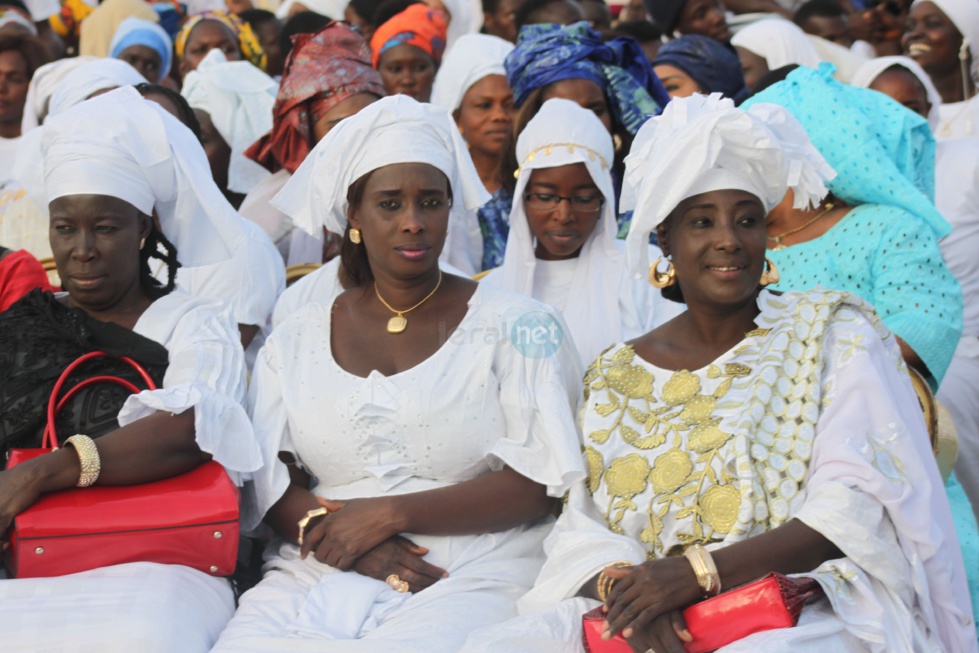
{"x": 396, "y": 583}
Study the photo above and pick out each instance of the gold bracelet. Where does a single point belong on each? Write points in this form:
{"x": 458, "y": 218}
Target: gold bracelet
{"x": 88, "y": 457}
{"x": 704, "y": 569}
{"x": 310, "y": 515}
{"x": 604, "y": 583}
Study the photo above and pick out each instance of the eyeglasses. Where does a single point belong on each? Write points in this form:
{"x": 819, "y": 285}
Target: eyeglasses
{"x": 550, "y": 201}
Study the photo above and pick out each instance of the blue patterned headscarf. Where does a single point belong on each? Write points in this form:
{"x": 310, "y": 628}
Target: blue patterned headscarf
{"x": 710, "y": 63}
{"x": 551, "y": 53}
{"x": 883, "y": 153}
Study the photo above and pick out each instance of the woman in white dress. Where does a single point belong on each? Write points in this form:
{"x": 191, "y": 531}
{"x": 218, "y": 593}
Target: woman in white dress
{"x": 562, "y": 248}
{"x": 760, "y": 431}
{"x": 107, "y": 165}
{"x": 413, "y": 454}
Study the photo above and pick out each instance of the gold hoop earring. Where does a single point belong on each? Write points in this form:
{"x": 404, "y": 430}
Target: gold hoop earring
{"x": 662, "y": 279}
{"x": 770, "y": 275}
{"x": 355, "y": 236}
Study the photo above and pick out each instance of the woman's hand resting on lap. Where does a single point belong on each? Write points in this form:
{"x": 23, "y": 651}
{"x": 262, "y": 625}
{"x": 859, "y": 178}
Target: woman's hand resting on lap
{"x": 644, "y": 603}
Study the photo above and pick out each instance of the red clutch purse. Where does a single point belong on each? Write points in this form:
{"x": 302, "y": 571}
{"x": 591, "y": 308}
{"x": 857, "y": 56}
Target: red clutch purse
{"x": 774, "y": 601}
{"x": 191, "y": 519}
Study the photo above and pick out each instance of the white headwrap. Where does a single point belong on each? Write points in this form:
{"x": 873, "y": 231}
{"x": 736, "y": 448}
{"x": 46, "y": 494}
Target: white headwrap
{"x": 119, "y": 144}
{"x": 965, "y": 15}
{"x": 11, "y": 16}
{"x": 473, "y": 57}
{"x": 701, "y": 144}
{"x": 563, "y": 133}
{"x": 395, "y": 129}
{"x": 239, "y": 98}
{"x": 465, "y": 17}
{"x": 779, "y": 42}
{"x": 91, "y": 77}
{"x": 329, "y": 8}
{"x": 136, "y": 31}
{"x": 871, "y": 70}
{"x": 45, "y": 80}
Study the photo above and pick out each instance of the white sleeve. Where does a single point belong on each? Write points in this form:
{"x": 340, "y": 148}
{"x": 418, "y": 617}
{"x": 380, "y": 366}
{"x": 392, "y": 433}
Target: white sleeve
{"x": 538, "y": 396}
{"x": 207, "y": 373}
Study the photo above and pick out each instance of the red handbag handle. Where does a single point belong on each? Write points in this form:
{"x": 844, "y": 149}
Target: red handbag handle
{"x": 50, "y": 440}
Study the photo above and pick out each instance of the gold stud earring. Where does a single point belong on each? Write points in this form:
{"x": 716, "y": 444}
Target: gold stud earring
{"x": 355, "y": 236}
{"x": 770, "y": 275}
{"x": 662, "y": 279}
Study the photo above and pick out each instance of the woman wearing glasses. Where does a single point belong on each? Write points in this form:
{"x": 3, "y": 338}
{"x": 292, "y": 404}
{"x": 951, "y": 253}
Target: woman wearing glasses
{"x": 562, "y": 248}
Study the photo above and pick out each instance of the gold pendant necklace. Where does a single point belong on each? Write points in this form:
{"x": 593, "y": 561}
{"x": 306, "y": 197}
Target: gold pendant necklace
{"x": 778, "y": 239}
{"x": 399, "y": 322}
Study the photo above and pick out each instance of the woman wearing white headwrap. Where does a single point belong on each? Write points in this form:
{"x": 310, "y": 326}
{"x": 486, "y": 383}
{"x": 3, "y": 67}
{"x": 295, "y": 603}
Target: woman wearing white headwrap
{"x": 438, "y": 437}
{"x": 106, "y": 167}
{"x": 471, "y": 84}
{"x": 943, "y": 36}
{"x": 779, "y": 431}
{"x": 770, "y": 44}
{"x": 88, "y": 79}
{"x": 233, "y": 101}
{"x": 567, "y": 255}
{"x": 45, "y": 80}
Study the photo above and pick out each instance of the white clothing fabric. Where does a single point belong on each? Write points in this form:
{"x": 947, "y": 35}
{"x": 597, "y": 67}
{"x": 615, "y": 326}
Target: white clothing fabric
{"x": 11, "y": 16}
{"x": 8, "y": 155}
{"x": 863, "y": 49}
{"x": 22, "y": 224}
{"x": 239, "y": 98}
{"x": 827, "y": 431}
{"x": 959, "y": 119}
{"x": 119, "y": 144}
{"x": 383, "y": 435}
{"x": 394, "y": 129}
{"x": 90, "y": 78}
{"x": 42, "y": 9}
{"x": 473, "y": 57}
{"x": 45, "y": 80}
{"x": 779, "y": 42}
{"x": 553, "y": 281}
{"x": 250, "y": 282}
{"x": 465, "y": 17}
{"x": 604, "y": 305}
{"x": 330, "y": 8}
{"x": 143, "y": 606}
{"x": 871, "y": 70}
{"x": 847, "y": 61}
{"x": 140, "y": 606}
{"x": 701, "y": 144}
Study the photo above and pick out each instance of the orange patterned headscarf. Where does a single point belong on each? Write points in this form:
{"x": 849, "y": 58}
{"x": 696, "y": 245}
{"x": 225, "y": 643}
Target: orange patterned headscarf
{"x": 418, "y": 25}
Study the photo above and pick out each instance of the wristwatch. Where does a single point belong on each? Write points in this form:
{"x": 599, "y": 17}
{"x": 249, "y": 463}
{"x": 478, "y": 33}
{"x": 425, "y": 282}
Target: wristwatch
{"x": 309, "y": 516}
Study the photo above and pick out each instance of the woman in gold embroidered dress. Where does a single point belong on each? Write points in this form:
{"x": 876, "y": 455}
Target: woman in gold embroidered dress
{"x": 755, "y": 432}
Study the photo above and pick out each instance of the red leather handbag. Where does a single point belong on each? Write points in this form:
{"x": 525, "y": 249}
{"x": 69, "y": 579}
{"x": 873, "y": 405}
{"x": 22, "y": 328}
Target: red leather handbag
{"x": 191, "y": 519}
{"x": 773, "y": 601}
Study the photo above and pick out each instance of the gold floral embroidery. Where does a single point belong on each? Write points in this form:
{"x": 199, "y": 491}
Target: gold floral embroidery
{"x": 596, "y": 466}
{"x": 683, "y": 474}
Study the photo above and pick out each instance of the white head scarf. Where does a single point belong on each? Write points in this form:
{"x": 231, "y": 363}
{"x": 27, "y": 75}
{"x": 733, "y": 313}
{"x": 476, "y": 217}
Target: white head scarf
{"x": 870, "y": 71}
{"x": 395, "y": 129}
{"x": 473, "y": 57}
{"x": 965, "y": 15}
{"x": 10, "y": 16}
{"x": 330, "y": 8}
{"x": 563, "y": 133}
{"x": 701, "y": 144}
{"x": 136, "y": 28}
{"x": 45, "y": 80}
{"x": 779, "y": 42}
{"x": 91, "y": 77}
{"x": 465, "y": 17}
{"x": 239, "y": 98}
{"x": 119, "y": 144}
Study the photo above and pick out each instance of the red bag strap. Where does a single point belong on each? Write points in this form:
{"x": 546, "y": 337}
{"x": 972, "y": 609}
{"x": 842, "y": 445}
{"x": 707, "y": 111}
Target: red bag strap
{"x": 50, "y": 440}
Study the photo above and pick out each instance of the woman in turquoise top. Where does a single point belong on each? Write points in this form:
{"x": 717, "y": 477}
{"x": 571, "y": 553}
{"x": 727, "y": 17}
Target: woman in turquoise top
{"x": 877, "y": 233}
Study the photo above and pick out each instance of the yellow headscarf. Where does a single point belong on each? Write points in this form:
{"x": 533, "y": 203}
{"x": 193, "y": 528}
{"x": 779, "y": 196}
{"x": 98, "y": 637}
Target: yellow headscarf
{"x": 247, "y": 41}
